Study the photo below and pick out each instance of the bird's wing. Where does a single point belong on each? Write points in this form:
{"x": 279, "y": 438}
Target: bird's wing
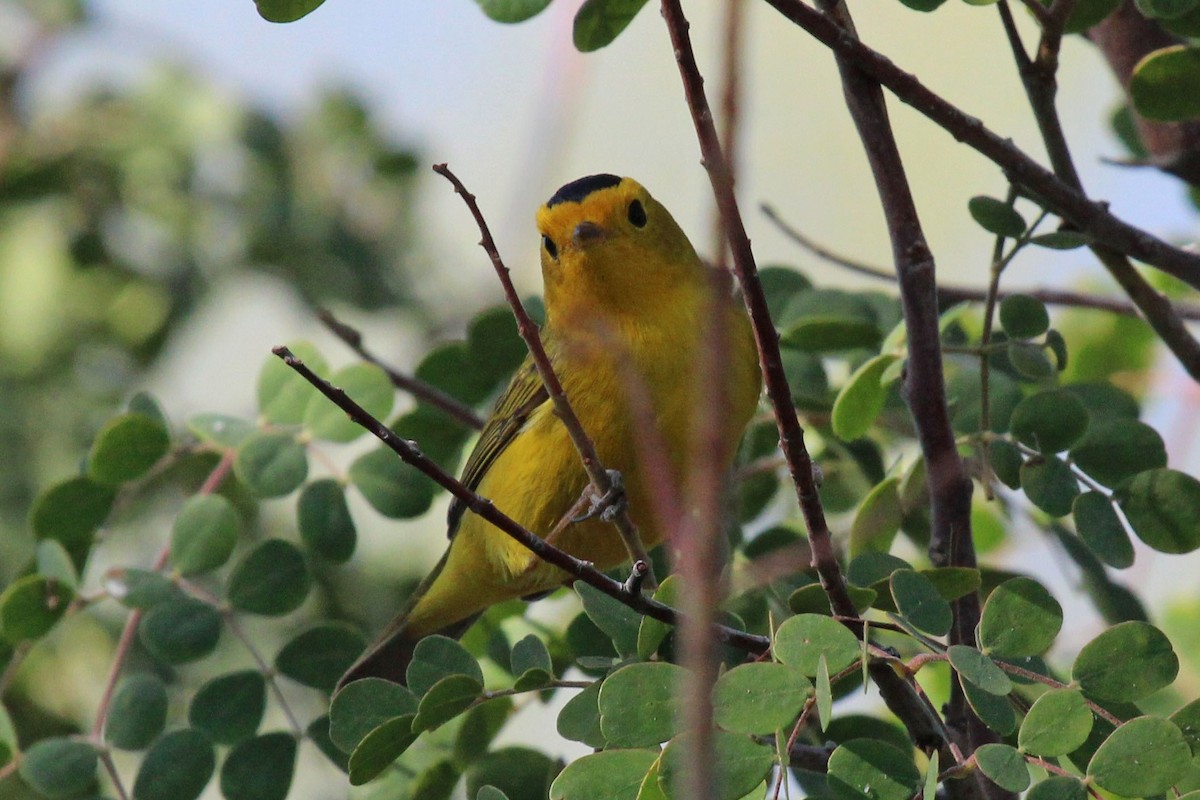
{"x": 524, "y": 393}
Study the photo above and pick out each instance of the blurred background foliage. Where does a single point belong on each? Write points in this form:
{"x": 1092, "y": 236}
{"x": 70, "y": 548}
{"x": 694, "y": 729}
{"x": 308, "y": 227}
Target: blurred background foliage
{"x": 121, "y": 209}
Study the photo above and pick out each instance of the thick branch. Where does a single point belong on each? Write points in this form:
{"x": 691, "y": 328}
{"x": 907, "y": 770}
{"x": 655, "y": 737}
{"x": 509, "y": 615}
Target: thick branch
{"x": 579, "y": 570}
{"x": 900, "y": 697}
{"x": 924, "y": 386}
{"x": 528, "y": 330}
{"x": 1086, "y": 215}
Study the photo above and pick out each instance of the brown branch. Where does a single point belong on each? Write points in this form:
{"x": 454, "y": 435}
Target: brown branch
{"x": 898, "y": 695}
{"x": 950, "y": 487}
{"x": 528, "y": 330}
{"x": 483, "y": 507}
{"x": 435, "y": 397}
{"x": 733, "y": 24}
{"x": 1086, "y": 215}
{"x": 955, "y": 293}
{"x": 1038, "y": 78}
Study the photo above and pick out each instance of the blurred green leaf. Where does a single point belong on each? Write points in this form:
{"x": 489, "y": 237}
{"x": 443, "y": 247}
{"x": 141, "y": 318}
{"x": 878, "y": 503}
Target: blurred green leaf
{"x": 739, "y": 764}
{"x": 221, "y": 429}
{"x": 861, "y": 399}
{"x": 260, "y": 768}
{"x": 1115, "y": 448}
{"x": 318, "y": 656}
{"x": 31, "y": 606}
{"x": 1101, "y": 529}
{"x": 611, "y": 774}
{"x": 59, "y": 767}
{"x": 518, "y": 773}
{"x": 599, "y": 22}
{"x": 283, "y": 393}
{"x": 204, "y": 534}
{"x": 126, "y": 448}
{"x": 179, "y": 631}
{"x": 1162, "y": 506}
{"x": 272, "y": 579}
{"x": 70, "y": 512}
{"x": 996, "y": 216}
{"x": 178, "y": 767}
{"x": 325, "y": 522}
{"x": 1050, "y": 421}
{"x": 137, "y": 713}
{"x": 393, "y": 488}
{"x": 380, "y": 747}
{"x": 1049, "y": 484}
{"x": 365, "y": 384}
{"x": 870, "y": 768}
{"x": 272, "y": 464}
{"x": 1023, "y": 317}
{"x": 285, "y": 11}
{"x": 512, "y": 10}
{"x": 1165, "y": 85}
{"x": 877, "y": 519}
{"x": 1127, "y": 662}
{"x": 229, "y": 708}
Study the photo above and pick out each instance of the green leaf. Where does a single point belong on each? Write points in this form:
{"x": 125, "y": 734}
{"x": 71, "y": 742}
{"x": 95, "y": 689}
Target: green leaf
{"x": 1187, "y": 718}
{"x": 1004, "y": 765}
{"x": 1127, "y": 662}
{"x": 272, "y": 464}
{"x": 861, "y": 399}
{"x": 1023, "y": 317}
{"x": 579, "y": 720}
{"x": 1062, "y": 240}
{"x": 320, "y": 655}
{"x": 492, "y": 338}
{"x": 618, "y": 621}
{"x": 325, "y": 522}
{"x": 380, "y": 747}
{"x": 318, "y": 732}
{"x": 1049, "y": 421}
{"x": 451, "y": 368}
{"x": 285, "y": 11}
{"x": 1163, "y": 506}
{"x": 177, "y": 767}
{"x": 1165, "y": 85}
{"x": 637, "y": 704}
{"x": 272, "y": 579}
{"x": 1020, "y": 618}
{"x": 996, "y": 216}
{"x": 31, "y": 606}
{"x": 445, "y": 700}
{"x": 365, "y": 384}
{"x": 759, "y": 698}
{"x": 480, "y": 727}
{"x": 52, "y": 560}
{"x": 599, "y": 22}
{"x": 511, "y": 11}
{"x": 490, "y": 792}
{"x": 434, "y": 658}
{"x": 823, "y": 691}
{"x": 363, "y": 706}
{"x": 1114, "y": 449}
{"x": 1101, "y": 529}
{"x": 59, "y": 767}
{"x": 919, "y": 602}
{"x": 139, "y": 588}
{"x": 877, "y": 519}
{"x": 126, "y": 448}
{"x": 1088, "y": 13}
{"x": 801, "y": 640}
{"x": 739, "y": 764}
{"x": 520, "y": 773}
{"x": 1050, "y": 484}
{"x": 437, "y": 434}
{"x": 1030, "y": 360}
{"x": 260, "y": 768}
{"x": 393, "y": 488}
{"x": 220, "y": 429}
{"x": 953, "y": 582}
{"x": 1058, "y": 787}
{"x": 923, "y": 5}
{"x": 979, "y": 669}
{"x": 204, "y": 535}
{"x": 530, "y": 663}
{"x": 284, "y": 394}
{"x": 871, "y": 568}
{"x": 811, "y": 599}
{"x": 780, "y": 284}
{"x": 1143, "y": 757}
{"x": 179, "y": 631}
{"x": 651, "y": 632}
{"x": 69, "y": 512}
{"x": 137, "y": 713}
{"x": 994, "y": 710}
{"x": 229, "y": 708}
{"x": 607, "y": 775}
{"x": 869, "y": 768}
{"x": 1057, "y": 724}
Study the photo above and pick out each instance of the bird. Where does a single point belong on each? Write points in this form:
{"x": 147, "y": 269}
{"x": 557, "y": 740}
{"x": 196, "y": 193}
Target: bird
{"x": 625, "y": 293}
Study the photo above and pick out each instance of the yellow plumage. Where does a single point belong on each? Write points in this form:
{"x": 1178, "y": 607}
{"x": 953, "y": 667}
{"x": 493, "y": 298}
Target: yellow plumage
{"x": 625, "y": 291}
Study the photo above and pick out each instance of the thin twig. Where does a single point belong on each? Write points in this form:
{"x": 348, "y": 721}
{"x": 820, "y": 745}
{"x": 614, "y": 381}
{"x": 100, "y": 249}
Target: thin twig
{"x": 419, "y": 389}
{"x": 732, "y": 24}
{"x": 1087, "y": 215}
{"x": 574, "y": 567}
{"x": 898, "y": 696}
{"x": 528, "y": 330}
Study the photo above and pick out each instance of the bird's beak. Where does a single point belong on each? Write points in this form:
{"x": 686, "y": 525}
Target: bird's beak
{"x": 586, "y": 233}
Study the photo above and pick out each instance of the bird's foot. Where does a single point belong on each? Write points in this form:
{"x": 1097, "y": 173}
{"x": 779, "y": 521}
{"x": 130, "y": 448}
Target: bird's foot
{"x": 607, "y": 506}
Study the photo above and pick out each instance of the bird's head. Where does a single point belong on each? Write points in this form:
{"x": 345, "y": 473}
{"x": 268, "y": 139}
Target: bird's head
{"x": 607, "y": 245}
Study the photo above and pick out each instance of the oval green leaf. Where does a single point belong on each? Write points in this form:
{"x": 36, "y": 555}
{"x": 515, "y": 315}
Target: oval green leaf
{"x": 320, "y": 655}
{"x": 1050, "y": 484}
{"x": 1004, "y": 765}
{"x": 918, "y": 601}
{"x": 204, "y": 534}
{"x": 861, "y": 399}
{"x": 363, "y": 706}
{"x": 1049, "y": 421}
{"x": 179, "y": 631}
{"x": 979, "y": 669}
{"x": 365, "y": 384}
{"x": 177, "y": 767}
{"x": 126, "y": 448}
{"x": 996, "y": 216}
{"x": 650, "y": 688}
{"x": 800, "y": 641}
{"x": 1020, "y": 618}
{"x": 1116, "y": 448}
{"x": 1163, "y": 508}
{"x": 272, "y": 579}
{"x": 1023, "y": 317}
{"x": 1165, "y": 85}
{"x": 1143, "y": 757}
{"x": 1057, "y": 724}
{"x": 393, "y": 488}
{"x": 325, "y": 522}
{"x": 260, "y": 768}
{"x": 610, "y": 775}
{"x": 229, "y": 708}
{"x": 272, "y": 464}
{"x": 759, "y": 698}
{"x": 137, "y": 713}
{"x": 1127, "y": 662}
{"x": 862, "y": 768}
{"x": 59, "y": 767}
{"x": 1101, "y": 529}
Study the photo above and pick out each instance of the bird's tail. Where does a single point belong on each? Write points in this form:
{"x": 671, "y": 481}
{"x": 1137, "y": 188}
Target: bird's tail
{"x": 389, "y": 655}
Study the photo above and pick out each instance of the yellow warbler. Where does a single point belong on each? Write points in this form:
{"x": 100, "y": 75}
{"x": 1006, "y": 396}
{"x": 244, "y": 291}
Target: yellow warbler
{"x": 625, "y": 293}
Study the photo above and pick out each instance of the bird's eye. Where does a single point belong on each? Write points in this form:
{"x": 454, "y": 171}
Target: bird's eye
{"x": 637, "y": 214}
{"x": 551, "y": 248}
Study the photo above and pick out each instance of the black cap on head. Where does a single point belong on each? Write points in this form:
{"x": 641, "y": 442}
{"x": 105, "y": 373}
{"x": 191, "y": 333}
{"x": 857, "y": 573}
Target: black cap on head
{"x": 576, "y": 190}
